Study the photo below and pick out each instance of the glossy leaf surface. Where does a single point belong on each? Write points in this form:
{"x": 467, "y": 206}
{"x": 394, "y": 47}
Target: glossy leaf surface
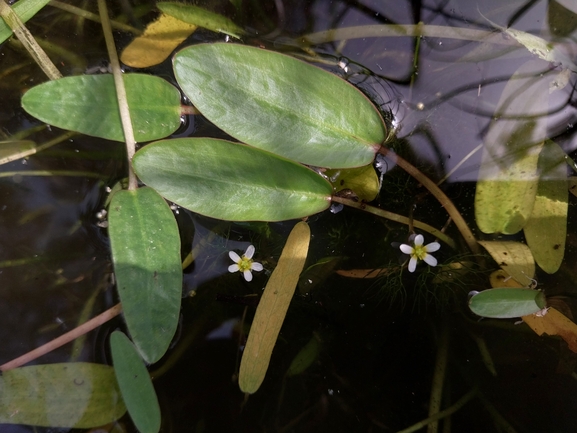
{"x": 272, "y": 309}
{"x": 87, "y": 104}
{"x": 231, "y": 181}
{"x": 281, "y": 104}
{"x": 25, "y": 9}
{"x": 145, "y": 247}
{"x": 506, "y": 302}
{"x": 75, "y": 394}
{"x": 135, "y": 384}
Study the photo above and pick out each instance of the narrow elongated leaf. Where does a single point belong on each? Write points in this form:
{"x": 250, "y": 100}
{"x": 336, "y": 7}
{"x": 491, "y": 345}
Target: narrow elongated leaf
{"x": 87, "y": 104}
{"x": 231, "y": 181}
{"x": 73, "y": 395}
{"x": 272, "y": 309}
{"x": 506, "y": 303}
{"x": 513, "y": 257}
{"x": 146, "y": 254}
{"x": 135, "y": 384}
{"x": 25, "y": 9}
{"x": 280, "y": 104}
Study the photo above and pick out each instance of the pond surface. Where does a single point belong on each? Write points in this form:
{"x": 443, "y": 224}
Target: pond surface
{"x": 377, "y": 340}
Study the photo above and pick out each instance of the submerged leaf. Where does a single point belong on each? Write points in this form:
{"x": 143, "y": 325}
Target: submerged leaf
{"x": 68, "y": 395}
{"x": 231, "y": 181}
{"x": 281, "y": 104}
{"x": 272, "y": 309}
{"x": 363, "y": 181}
{"x": 554, "y": 323}
{"x": 25, "y": 9}
{"x": 305, "y": 358}
{"x": 88, "y": 104}
{"x": 514, "y": 257}
{"x": 158, "y": 41}
{"x": 145, "y": 247}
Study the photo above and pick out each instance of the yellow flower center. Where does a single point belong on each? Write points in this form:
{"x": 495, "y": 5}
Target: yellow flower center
{"x": 244, "y": 264}
{"x": 420, "y": 252}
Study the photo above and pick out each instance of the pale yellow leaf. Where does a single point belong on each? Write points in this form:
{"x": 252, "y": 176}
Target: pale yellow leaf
{"x": 513, "y": 257}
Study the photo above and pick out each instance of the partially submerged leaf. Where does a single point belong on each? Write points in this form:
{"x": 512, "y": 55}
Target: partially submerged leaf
{"x": 281, "y": 104}
{"x": 201, "y": 17}
{"x": 145, "y": 247}
{"x": 88, "y": 104}
{"x": 554, "y": 323}
{"x": 13, "y": 150}
{"x": 363, "y": 181}
{"x": 506, "y": 302}
{"x": 231, "y": 181}
{"x": 68, "y": 395}
{"x": 25, "y": 9}
{"x": 272, "y": 309}
{"x": 135, "y": 384}
{"x": 157, "y": 42}
{"x": 514, "y": 257}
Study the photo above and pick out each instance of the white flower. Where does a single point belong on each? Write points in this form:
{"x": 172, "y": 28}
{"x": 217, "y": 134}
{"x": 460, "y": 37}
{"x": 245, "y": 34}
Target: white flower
{"x": 420, "y": 252}
{"x": 244, "y": 263}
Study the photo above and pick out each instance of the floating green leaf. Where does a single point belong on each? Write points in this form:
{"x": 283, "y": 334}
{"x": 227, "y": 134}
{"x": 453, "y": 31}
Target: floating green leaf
{"x": 272, "y": 309}
{"x": 25, "y": 9}
{"x": 146, "y": 254}
{"x": 87, "y": 104}
{"x": 280, "y": 104}
{"x": 514, "y": 258}
{"x": 231, "y": 181}
{"x": 71, "y": 395}
{"x": 135, "y": 384}
{"x": 506, "y": 302}
{"x": 546, "y": 230}
{"x": 201, "y": 17}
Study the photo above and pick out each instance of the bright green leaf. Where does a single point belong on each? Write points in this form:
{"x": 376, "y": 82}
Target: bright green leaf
{"x": 135, "y": 384}
{"x": 231, "y": 181}
{"x": 25, "y": 9}
{"x": 73, "y": 395}
{"x": 87, "y": 104}
{"x": 514, "y": 258}
{"x": 145, "y": 247}
{"x": 201, "y": 17}
{"x": 546, "y": 230}
{"x": 272, "y": 309}
{"x": 506, "y": 302}
{"x": 281, "y": 104}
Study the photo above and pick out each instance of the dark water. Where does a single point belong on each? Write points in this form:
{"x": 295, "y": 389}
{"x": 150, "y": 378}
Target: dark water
{"x": 379, "y": 338}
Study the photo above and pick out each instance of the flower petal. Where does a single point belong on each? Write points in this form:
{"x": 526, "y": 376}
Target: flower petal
{"x": 233, "y": 268}
{"x": 430, "y": 260}
{"x": 419, "y": 239}
{"x": 255, "y": 266}
{"x": 412, "y": 264}
{"x": 234, "y": 256}
{"x": 432, "y": 247}
{"x": 249, "y": 252}
{"x": 407, "y": 249}
{"x": 247, "y": 275}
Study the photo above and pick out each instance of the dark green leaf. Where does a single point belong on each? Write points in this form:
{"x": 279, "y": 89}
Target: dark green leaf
{"x": 280, "y": 104}
{"x": 135, "y": 384}
{"x": 87, "y": 104}
{"x": 231, "y": 181}
{"x": 146, "y": 253}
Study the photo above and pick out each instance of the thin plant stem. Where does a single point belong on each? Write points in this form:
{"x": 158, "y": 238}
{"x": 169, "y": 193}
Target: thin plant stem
{"x": 35, "y": 149}
{"x": 64, "y": 339}
{"x": 24, "y": 36}
{"x": 397, "y": 218}
{"x": 70, "y": 173}
{"x": 120, "y": 93}
{"x": 439, "y": 377}
{"x": 439, "y": 195}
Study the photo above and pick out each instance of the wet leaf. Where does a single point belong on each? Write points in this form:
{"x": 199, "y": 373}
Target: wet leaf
{"x": 546, "y": 229}
{"x": 25, "y": 9}
{"x": 201, "y": 17}
{"x": 508, "y": 174}
{"x": 145, "y": 247}
{"x": 363, "y": 181}
{"x": 305, "y": 358}
{"x": 231, "y": 181}
{"x": 272, "y": 309}
{"x": 317, "y": 273}
{"x": 135, "y": 384}
{"x": 159, "y": 40}
{"x": 87, "y": 104}
{"x": 513, "y": 257}
{"x": 506, "y": 302}
{"x": 68, "y": 395}
{"x": 280, "y": 104}
{"x": 554, "y": 323}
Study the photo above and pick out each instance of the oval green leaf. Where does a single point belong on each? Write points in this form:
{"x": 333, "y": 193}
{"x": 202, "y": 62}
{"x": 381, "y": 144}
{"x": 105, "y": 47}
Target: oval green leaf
{"x": 272, "y": 309}
{"x": 280, "y": 104}
{"x": 506, "y": 302}
{"x": 231, "y": 181}
{"x": 145, "y": 247}
{"x": 87, "y": 104}
{"x": 68, "y": 395}
{"x": 135, "y": 384}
